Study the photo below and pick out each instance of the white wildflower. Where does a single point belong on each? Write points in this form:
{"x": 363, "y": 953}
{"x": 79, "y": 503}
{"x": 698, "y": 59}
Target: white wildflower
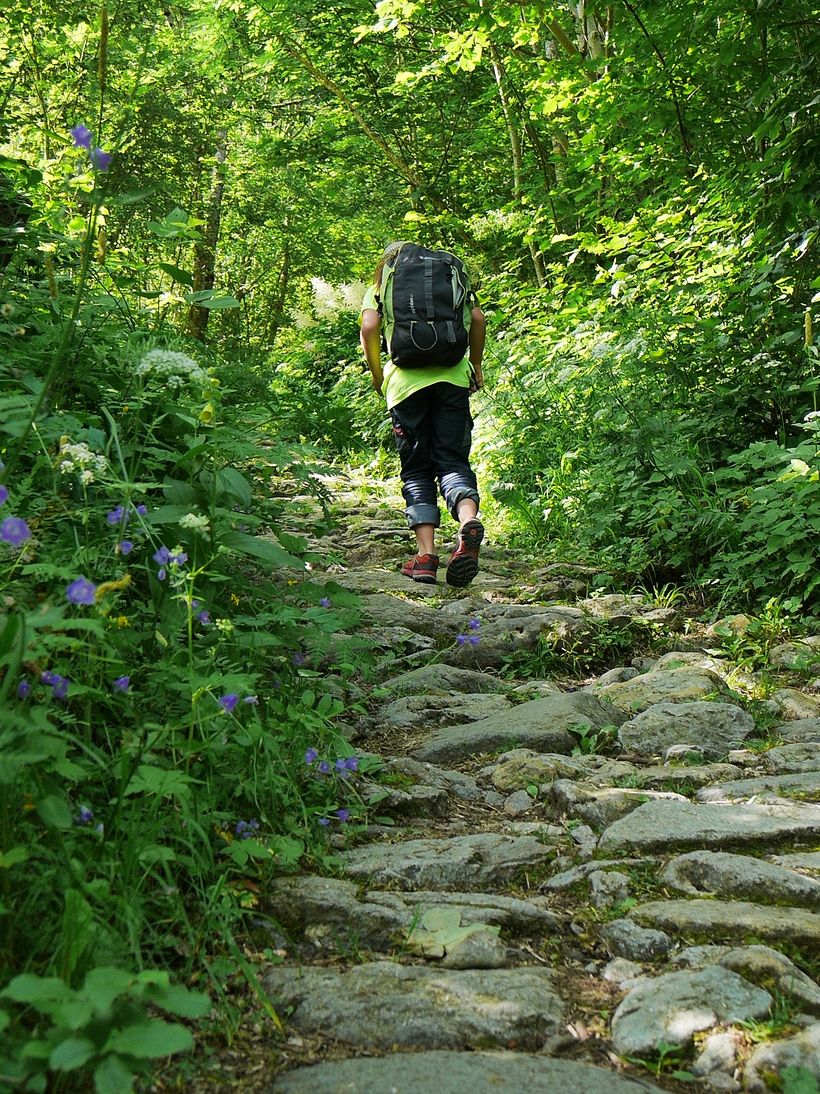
{"x": 79, "y": 457}
{"x": 325, "y": 300}
{"x": 175, "y": 369}
{"x": 352, "y": 294}
{"x": 7, "y": 310}
{"x": 302, "y": 319}
{"x": 195, "y": 521}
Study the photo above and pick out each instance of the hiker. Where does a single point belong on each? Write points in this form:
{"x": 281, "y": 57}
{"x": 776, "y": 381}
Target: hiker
{"x": 422, "y": 309}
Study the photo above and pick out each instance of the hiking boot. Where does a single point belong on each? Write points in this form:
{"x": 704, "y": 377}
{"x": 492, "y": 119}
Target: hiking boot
{"x": 421, "y": 568}
{"x": 463, "y": 564}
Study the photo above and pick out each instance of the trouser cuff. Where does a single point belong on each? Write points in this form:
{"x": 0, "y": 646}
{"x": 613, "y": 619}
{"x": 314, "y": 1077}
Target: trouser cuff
{"x": 454, "y": 500}
{"x": 423, "y": 514}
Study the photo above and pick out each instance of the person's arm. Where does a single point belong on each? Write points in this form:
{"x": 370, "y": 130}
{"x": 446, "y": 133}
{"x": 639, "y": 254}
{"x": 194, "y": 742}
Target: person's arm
{"x": 370, "y": 337}
{"x": 478, "y": 333}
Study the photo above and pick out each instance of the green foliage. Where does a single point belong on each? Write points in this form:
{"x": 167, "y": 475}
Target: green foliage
{"x": 161, "y": 656}
{"x": 666, "y": 1062}
{"x": 592, "y": 739}
{"x": 104, "y": 1028}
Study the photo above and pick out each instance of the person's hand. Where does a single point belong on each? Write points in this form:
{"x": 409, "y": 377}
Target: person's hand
{"x": 476, "y": 384}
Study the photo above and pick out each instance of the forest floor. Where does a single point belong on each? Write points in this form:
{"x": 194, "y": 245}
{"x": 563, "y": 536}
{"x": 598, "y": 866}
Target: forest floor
{"x": 591, "y": 855}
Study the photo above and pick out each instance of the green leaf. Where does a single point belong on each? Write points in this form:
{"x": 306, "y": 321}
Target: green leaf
{"x": 13, "y": 857}
{"x": 151, "y": 1039}
{"x": 230, "y": 481}
{"x": 103, "y": 984}
{"x": 160, "y": 781}
{"x": 53, "y": 810}
{"x": 113, "y": 1076}
{"x": 169, "y": 514}
{"x": 208, "y": 298}
{"x": 72, "y": 1053}
{"x": 36, "y": 990}
{"x": 180, "y": 1001}
{"x": 182, "y": 276}
{"x": 132, "y": 197}
{"x": 264, "y": 549}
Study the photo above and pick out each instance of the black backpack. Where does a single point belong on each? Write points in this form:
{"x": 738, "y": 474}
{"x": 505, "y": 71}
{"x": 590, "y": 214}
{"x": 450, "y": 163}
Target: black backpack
{"x": 423, "y": 294}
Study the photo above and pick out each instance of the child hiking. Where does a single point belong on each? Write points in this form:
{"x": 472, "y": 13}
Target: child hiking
{"x": 422, "y": 309}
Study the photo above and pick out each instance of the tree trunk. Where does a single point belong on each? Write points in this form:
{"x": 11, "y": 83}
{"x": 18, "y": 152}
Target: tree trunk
{"x": 205, "y": 248}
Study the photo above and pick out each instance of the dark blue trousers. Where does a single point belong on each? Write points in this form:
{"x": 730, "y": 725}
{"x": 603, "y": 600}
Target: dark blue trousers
{"x": 433, "y": 432}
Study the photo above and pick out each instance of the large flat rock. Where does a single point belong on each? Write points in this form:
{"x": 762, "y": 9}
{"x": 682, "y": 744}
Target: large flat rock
{"x": 801, "y": 784}
{"x": 670, "y": 825}
{"x": 644, "y": 691}
{"x": 732, "y": 921}
{"x": 430, "y": 711}
{"x": 713, "y": 728}
{"x": 800, "y": 731}
{"x": 541, "y": 724}
{"x": 511, "y": 628}
{"x": 761, "y": 965}
{"x": 742, "y": 877}
{"x": 382, "y": 1004}
{"x": 380, "y": 920}
{"x": 456, "y": 1073}
{"x": 443, "y": 679}
{"x": 522, "y": 766}
{"x": 456, "y": 863}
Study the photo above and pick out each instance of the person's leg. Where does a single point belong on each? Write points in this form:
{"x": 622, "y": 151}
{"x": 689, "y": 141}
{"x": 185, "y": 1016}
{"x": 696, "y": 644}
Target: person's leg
{"x": 451, "y": 438}
{"x": 411, "y": 431}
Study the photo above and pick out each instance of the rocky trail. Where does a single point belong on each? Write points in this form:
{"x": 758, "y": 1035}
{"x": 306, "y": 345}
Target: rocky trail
{"x": 572, "y": 879}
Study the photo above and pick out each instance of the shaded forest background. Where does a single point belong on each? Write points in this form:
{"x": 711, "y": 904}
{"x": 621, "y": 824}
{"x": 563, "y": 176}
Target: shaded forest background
{"x": 634, "y": 188}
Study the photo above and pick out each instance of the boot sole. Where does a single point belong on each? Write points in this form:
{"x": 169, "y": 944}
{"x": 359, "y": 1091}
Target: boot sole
{"x": 461, "y": 569}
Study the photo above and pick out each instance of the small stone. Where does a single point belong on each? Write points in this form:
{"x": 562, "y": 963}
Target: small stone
{"x": 518, "y": 802}
{"x": 608, "y": 888}
{"x": 479, "y": 950}
{"x": 717, "y": 1053}
{"x": 624, "y": 938}
{"x": 620, "y": 970}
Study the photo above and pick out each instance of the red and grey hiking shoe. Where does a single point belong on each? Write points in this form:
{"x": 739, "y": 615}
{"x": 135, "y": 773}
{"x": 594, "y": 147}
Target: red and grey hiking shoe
{"x": 463, "y": 564}
{"x": 421, "y": 568}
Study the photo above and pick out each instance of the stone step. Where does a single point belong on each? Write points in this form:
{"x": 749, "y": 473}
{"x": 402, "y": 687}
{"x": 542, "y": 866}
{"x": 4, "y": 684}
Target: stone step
{"x": 383, "y": 1005}
{"x": 456, "y": 1073}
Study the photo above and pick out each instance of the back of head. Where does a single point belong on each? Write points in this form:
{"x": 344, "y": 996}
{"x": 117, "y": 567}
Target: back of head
{"x": 388, "y": 255}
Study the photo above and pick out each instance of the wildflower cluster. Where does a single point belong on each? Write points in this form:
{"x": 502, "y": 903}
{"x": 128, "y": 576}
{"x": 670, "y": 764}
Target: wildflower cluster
{"x": 202, "y": 614}
{"x": 120, "y": 516}
{"x": 342, "y": 767}
{"x": 246, "y": 829}
{"x": 81, "y": 591}
{"x": 230, "y": 701}
{"x": 84, "y": 138}
{"x": 195, "y": 522}
{"x": 58, "y": 684}
{"x": 473, "y": 638}
{"x": 79, "y": 457}
{"x": 13, "y": 530}
{"x": 174, "y": 369}
{"x": 165, "y": 558}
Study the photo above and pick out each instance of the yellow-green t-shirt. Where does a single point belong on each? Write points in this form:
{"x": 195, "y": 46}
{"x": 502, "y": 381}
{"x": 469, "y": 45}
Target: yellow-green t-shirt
{"x": 399, "y": 383}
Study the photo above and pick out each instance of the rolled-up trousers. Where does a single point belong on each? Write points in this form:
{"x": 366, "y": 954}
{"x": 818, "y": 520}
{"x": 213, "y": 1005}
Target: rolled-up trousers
{"x": 433, "y": 432}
